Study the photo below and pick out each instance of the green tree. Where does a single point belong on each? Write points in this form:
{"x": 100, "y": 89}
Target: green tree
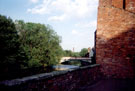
{"x": 68, "y": 53}
{"x": 11, "y": 53}
{"x": 40, "y": 42}
{"x": 76, "y": 54}
{"x": 83, "y": 52}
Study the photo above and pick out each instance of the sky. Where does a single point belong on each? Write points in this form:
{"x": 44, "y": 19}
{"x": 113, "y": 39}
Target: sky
{"x": 74, "y": 20}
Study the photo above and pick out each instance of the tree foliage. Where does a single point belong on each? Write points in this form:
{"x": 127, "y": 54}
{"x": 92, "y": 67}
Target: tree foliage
{"x": 11, "y": 54}
{"x": 40, "y": 42}
{"x": 27, "y": 45}
{"x": 83, "y": 52}
{"x": 76, "y": 54}
{"x": 68, "y": 53}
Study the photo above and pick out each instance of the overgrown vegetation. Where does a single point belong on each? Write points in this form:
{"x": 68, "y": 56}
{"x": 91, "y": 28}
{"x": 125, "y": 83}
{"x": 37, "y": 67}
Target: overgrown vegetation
{"x": 27, "y": 45}
{"x": 11, "y": 53}
{"x": 40, "y": 43}
{"x": 27, "y": 48}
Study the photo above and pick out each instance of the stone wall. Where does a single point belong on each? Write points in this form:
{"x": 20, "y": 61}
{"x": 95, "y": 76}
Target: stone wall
{"x": 55, "y": 81}
{"x": 115, "y": 38}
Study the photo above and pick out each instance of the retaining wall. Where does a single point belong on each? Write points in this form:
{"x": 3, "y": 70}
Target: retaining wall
{"x": 55, "y": 81}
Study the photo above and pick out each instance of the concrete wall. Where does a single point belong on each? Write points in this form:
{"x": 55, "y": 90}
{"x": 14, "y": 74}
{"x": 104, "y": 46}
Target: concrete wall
{"x": 115, "y": 38}
{"x": 55, "y": 81}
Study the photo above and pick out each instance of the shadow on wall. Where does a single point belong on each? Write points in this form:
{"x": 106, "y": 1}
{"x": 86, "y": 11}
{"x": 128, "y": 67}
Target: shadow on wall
{"x": 117, "y": 55}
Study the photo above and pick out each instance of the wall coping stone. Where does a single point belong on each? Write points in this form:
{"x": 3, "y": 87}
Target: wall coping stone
{"x": 42, "y": 76}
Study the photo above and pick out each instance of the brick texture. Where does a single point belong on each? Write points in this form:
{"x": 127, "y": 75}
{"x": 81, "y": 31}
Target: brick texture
{"x": 55, "y": 81}
{"x": 130, "y": 5}
{"x": 118, "y": 3}
{"x": 105, "y": 3}
{"x": 115, "y": 38}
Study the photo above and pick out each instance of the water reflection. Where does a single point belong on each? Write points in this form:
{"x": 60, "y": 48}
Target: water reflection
{"x": 64, "y": 67}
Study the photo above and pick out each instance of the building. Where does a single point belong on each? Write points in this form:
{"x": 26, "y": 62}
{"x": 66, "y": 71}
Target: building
{"x": 115, "y": 38}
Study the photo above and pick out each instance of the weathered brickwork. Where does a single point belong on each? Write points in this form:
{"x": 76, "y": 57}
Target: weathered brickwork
{"x": 105, "y": 3}
{"x": 130, "y": 5}
{"x": 115, "y": 38}
{"x": 68, "y": 80}
{"x": 118, "y": 3}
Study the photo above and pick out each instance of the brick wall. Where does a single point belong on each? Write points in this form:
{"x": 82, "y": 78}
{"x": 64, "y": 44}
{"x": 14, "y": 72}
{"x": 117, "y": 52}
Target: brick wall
{"x": 130, "y": 5}
{"x": 118, "y": 3}
{"x": 115, "y": 39}
{"x": 55, "y": 81}
{"x": 105, "y": 3}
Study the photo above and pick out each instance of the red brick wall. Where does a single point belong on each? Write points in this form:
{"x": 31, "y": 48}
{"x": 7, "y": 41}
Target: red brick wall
{"x": 130, "y": 5}
{"x": 104, "y": 3}
{"x": 117, "y": 3}
{"x": 115, "y": 40}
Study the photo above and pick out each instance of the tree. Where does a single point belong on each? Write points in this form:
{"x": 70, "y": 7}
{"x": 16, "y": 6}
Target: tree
{"x": 10, "y": 51}
{"x": 76, "y": 54}
{"x": 83, "y": 52}
{"x": 68, "y": 53}
{"x": 40, "y": 42}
